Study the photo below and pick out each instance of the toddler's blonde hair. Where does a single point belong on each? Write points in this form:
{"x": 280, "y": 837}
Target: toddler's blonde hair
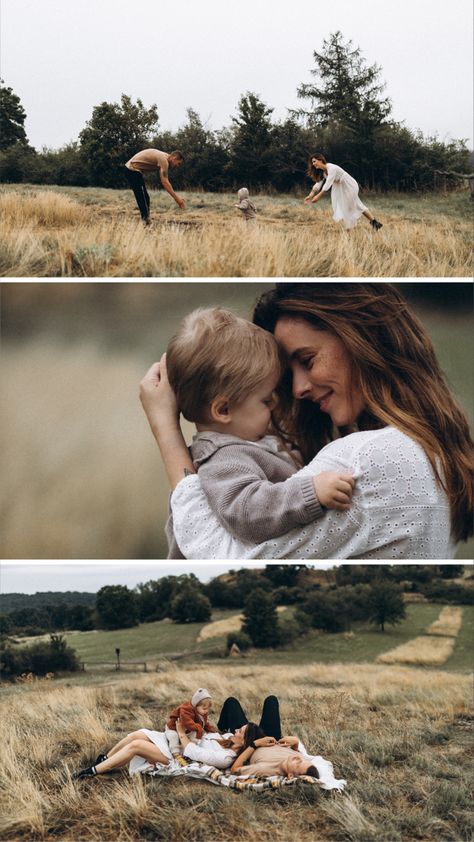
{"x": 216, "y": 353}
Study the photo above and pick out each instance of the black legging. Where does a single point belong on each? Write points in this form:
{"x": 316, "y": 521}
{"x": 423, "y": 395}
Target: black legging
{"x": 233, "y": 716}
{"x": 137, "y": 183}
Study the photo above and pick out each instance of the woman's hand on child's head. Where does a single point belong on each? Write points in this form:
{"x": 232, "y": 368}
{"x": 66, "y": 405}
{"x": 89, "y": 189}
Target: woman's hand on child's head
{"x": 334, "y": 490}
{"x": 157, "y": 397}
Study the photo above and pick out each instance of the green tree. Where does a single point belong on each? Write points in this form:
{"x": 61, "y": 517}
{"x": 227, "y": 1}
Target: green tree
{"x": 5, "y": 624}
{"x": 115, "y": 132}
{"x": 190, "y": 606}
{"x": 283, "y": 574}
{"x": 223, "y": 594}
{"x": 290, "y": 145}
{"x": 250, "y": 159}
{"x": 205, "y": 158}
{"x": 345, "y": 89}
{"x": 116, "y": 607}
{"x": 346, "y": 105}
{"x": 12, "y": 118}
{"x": 154, "y": 598}
{"x": 385, "y": 603}
{"x": 261, "y": 619}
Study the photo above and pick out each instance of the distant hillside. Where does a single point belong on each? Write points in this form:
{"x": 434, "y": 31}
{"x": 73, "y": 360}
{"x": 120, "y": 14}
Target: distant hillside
{"x": 12, "y": 601}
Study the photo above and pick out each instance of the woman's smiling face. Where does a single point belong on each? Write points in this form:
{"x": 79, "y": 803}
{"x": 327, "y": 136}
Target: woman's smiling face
{"x": 321, "y": 369}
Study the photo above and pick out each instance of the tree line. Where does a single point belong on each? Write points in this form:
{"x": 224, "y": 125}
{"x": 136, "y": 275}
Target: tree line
{"x": 347, "y": 595}
{"x": 344, "y": 114}
{"x": 185, "y": 599}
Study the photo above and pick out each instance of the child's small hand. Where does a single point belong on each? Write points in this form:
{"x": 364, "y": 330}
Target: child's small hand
{"x": 334, "y": 490}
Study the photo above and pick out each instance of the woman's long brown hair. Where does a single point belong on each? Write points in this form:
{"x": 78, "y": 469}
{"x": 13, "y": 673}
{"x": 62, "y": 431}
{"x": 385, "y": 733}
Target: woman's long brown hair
{"x": 312, "y": 171}
{"x": 394, "y": 365}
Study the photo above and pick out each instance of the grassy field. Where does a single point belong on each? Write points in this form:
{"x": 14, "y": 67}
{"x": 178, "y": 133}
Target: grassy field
{"x": 399, "y": 735}
{"x": 93, "y": 232}
{"x": 81, "y": 473}
{"x": 154, "y": 641}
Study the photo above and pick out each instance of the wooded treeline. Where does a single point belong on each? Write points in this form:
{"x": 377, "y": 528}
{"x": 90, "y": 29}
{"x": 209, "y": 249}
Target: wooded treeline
{"x": 185, "y": 599}
{"x": 344, "y": 114}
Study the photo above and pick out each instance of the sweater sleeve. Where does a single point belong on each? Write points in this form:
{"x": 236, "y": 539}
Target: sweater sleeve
{"x": 186, "y": 716}
{"x": 248, "y": 505}
{"x": 399, "y": 509}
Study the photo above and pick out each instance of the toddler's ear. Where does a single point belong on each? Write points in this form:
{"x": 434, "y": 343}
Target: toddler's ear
{"x": 220, "y": 410}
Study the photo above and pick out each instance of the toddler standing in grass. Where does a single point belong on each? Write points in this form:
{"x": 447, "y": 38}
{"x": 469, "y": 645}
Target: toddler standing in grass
{"x": 246, "y": 207}
{"x": 224, "y": 370}
{"x": 193, "y": 717}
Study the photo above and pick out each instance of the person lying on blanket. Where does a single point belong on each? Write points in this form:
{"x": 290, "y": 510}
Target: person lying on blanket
{"x": 146, "y": 749}
{"x": 282, "y": 758}
{"x": 268, "y": 756}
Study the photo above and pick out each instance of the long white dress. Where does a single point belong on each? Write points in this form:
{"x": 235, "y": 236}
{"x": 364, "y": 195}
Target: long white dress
{"x": 346, "y": 204}
{"x": 205, "y": 750}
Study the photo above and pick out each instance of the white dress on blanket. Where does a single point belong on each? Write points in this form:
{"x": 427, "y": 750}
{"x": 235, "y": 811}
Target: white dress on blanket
{"x": 205, "y": 750}
{"x": 344, "y": 196}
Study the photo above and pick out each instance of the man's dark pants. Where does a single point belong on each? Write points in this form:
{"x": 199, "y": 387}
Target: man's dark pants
{"x": 137, "y": 183}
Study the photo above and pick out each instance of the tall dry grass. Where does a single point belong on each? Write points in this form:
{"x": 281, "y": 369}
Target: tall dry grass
{"x": 448, "y": 623}
{"x": 421, "y": 651}
{"x": 48, "y": 234}
{"x": 397, "y": 735}
{"x": 429, "y": 651}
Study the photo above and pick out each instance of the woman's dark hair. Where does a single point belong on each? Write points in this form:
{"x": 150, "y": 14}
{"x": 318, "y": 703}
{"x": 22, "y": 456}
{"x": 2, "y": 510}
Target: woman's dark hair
{"x": 252, "y": 732}
{"x": 394, "y": 367}
{"x": 312, "y": 171}
{"x": 312, "y": 772}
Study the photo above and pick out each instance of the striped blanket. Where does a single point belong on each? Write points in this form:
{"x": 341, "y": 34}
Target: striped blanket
{"x": 204, "y": 772}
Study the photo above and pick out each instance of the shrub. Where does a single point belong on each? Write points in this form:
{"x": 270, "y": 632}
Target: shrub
{"x": 190, "y": 606}
{"x": 240, "y": 639}
{"x": 53, "y": 655}
{"x": 446, "y": 592}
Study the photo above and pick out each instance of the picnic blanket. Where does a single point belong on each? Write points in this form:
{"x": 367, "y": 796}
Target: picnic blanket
{"x": 204, "y": 772}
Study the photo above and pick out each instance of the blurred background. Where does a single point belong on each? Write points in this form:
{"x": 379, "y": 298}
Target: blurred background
{"x": 82, "y": 477}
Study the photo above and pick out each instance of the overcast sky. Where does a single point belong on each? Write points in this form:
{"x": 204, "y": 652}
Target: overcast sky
{"x": 30, "y": 577}
{"x": 63, "y": 57}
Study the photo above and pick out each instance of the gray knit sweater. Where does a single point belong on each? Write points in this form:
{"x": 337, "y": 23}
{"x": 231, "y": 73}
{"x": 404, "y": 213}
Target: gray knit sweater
{"x": 250, "y": 488}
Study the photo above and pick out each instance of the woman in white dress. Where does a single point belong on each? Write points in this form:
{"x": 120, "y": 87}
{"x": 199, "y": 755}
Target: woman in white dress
{"x": 146, "y": 750}
{"x": 344, "y": 192}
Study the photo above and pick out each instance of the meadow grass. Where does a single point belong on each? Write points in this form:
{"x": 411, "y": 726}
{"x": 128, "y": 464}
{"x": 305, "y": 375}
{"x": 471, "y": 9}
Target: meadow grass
{"x": 423, "y": 650}
{"x": 397, "y": 734}
{"x": 153, "y": 642}
{"x": 448, "y": 623}
{"x": 90, "y": 232}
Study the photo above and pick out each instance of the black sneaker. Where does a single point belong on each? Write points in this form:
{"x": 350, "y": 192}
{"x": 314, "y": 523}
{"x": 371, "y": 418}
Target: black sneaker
{"x": 90, "y": 772}
{"x": 100, "y": 759}
{"x": 375, "y": 224}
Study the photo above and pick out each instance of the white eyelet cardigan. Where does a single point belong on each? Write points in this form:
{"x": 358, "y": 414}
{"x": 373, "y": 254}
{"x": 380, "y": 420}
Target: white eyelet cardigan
{"x": 398, "y": 511}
